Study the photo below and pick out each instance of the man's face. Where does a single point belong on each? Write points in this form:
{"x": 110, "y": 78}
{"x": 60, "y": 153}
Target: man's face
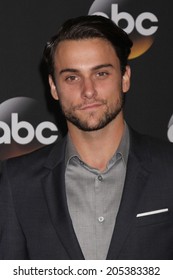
{"x": 89, "y": 83}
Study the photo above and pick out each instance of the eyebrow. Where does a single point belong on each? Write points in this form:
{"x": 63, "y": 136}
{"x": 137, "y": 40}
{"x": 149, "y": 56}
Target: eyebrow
{"x": 73, "y": 70}
{"x": 102, "y": 66}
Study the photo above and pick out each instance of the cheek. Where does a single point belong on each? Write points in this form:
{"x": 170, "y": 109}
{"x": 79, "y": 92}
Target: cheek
{"x": 111, "y": 89}
{"x": 67, "y": 100}
{"x": 68, "y": 92}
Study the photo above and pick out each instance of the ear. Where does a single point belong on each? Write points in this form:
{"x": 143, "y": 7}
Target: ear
{"x": 53, "y": 88}
{"x": 126, "y": 79}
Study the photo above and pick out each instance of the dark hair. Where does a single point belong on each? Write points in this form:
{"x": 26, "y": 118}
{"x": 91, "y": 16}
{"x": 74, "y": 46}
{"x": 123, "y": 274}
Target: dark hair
{"x": 86, "y": 27}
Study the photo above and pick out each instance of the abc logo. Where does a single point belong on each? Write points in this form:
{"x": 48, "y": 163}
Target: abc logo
{"x": 141, "y": 27}
{"x": 170, "y": 130}
{"x": 23, "y": 127}
{"x": 16, "y": 126}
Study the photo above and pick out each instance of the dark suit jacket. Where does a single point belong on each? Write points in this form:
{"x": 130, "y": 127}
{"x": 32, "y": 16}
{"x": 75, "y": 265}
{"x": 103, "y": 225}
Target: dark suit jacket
{"x": 34, "y": 218}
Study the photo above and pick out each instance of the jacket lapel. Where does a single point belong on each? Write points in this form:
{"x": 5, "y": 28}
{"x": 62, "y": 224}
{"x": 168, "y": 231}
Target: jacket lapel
{"x": 54, "y": 190}
{"x": 137, "y": 174}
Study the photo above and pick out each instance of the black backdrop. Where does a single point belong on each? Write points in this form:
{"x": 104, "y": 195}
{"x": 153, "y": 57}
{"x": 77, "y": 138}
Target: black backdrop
{"x": 26, "y": 25}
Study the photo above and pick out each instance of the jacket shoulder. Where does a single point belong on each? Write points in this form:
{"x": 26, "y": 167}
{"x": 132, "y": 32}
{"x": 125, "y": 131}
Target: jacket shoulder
{"x": 151, "y": 147}
{"x": 35, "y": 160}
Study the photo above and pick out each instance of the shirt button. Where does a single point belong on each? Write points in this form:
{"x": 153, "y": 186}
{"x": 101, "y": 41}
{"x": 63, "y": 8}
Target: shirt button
{"x": 100, "y": 178}
{"x": 101, "y": 219}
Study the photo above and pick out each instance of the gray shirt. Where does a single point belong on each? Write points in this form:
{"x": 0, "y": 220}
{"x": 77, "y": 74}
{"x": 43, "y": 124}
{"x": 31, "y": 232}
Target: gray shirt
{"x": 94, "y": 197}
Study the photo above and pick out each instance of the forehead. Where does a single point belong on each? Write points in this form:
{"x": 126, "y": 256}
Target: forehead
{"x": 85, "y": 50}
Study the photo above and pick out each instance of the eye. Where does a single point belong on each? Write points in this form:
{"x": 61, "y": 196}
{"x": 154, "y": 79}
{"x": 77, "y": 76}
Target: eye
{"x": 72, "y": 78}
{"x": 102, "y": 74}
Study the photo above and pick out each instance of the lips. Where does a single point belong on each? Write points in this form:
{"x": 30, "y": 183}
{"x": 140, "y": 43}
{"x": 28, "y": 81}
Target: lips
{"x": 91, "y": 106}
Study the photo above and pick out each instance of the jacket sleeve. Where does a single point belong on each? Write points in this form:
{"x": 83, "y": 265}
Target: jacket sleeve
{"x": 12, "y": 240}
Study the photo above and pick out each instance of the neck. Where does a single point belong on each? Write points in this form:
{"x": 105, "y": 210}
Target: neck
{"x": 97, "y": 147}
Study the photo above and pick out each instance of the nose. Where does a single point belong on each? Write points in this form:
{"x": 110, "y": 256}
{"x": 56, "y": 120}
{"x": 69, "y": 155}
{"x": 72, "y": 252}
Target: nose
{"x": 88, "y": 90}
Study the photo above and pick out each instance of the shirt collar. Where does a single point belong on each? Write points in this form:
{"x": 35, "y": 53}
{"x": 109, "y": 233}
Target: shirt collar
{"x": 122, "y": 150}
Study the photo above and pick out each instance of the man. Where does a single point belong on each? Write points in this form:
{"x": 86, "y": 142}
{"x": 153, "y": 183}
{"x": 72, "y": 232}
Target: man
{"x": 104, "y": 191}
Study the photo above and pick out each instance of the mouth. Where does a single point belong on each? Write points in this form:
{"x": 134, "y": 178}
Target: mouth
{"x": 91, "y": 106}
